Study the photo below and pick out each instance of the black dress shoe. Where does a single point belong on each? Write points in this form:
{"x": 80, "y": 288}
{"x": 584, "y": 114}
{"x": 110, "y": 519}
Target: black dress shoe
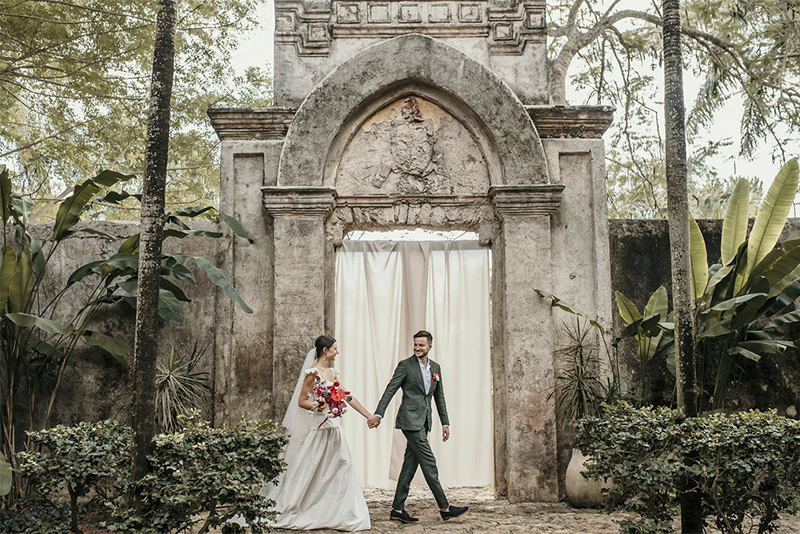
{"x": 402, "y": 516}
{"x": 453, "y": 511}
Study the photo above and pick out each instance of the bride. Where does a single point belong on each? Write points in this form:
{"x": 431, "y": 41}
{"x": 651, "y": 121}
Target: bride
{"x": 319, "y": 488}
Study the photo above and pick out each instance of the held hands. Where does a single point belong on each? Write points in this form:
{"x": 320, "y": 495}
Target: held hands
{"x": 373, "y": 421}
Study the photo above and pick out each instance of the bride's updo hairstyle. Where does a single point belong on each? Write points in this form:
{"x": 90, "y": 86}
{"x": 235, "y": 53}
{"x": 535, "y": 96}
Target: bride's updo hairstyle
{"x": 323, "y": 342}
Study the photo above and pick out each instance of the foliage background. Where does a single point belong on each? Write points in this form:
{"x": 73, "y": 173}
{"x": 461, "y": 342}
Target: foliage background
{"x": 74, "y": 84}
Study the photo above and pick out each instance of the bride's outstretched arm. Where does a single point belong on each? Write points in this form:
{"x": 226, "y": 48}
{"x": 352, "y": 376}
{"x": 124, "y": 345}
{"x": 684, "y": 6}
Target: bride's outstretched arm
{"x": 352, "y": 401}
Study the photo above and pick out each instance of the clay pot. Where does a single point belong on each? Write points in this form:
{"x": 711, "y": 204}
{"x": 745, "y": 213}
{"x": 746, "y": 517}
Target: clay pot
{"x": 581, "y": 492}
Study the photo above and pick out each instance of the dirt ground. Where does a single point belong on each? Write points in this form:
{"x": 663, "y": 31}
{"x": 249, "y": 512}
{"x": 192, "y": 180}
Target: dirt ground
{"x": 490, "y": 516}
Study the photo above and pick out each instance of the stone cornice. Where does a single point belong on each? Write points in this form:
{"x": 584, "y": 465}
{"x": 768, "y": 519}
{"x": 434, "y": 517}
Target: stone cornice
{"x": 552, "y": 122}
{"x": 526, "y": 200}
{"x": 247, "y": 124}
{"x": 298, "y": 201}
{"x": 571, "y": 122}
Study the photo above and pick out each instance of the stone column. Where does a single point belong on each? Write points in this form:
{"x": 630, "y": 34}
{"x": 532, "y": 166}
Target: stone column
{"x": 299, "y": 279}
{"x": 527, "y": 456}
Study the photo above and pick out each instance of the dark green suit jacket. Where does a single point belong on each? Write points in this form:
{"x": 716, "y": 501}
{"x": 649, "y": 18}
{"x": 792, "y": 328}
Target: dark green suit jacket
{"x": 415, "y": 410}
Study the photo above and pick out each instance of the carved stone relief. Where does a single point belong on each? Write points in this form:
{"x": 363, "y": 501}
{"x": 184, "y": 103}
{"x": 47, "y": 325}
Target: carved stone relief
{"x": 412, "y": 146}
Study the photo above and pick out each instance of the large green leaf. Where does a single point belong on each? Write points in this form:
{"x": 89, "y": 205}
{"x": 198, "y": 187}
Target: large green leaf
{"x": 627, "y": 309}
{"x": 93, "y": 267}
{"x": 174, "y": 267}
{"x": 190, "y": 211}
{"x": 27, "y": 320}
{"x": 130, "y": 245}
{"x": 699, "y": 257}
{"x": 236, "y": 226}
{"x": 772, "y": 214}
{"x": 556, "y": 302}
{"x": 734, "y": 227}
{"x": 6, "y": 476}
{"x": 219, "y": 278}
{"x": 720, "y": 284}
{"x": 116, "y": 346}
{"x": 21, "y": 283}
{"x": 7, "y": 275}
{"x": 749, "y": 312}
{"x": 70, "y": 209}
{"x": 180, "y": 234}
{"x": 736, "y": 301}
{"x": 658, "y": 303}
{"x": 782, "y": 265}
{"x": 785, "y": 319}
{"x": 786, "y": 297}
{"x": 719, "y": 329}
{"x": 169, "y": 308}
{"x": 772, "y": 346}
{"x": 45, "y": 348}
{"x": 37, "y": 260}
{"x": 744, "y": 352}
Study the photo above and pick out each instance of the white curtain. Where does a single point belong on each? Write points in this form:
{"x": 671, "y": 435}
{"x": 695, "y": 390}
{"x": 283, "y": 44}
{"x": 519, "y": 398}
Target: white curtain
{"x": 385, "y": 292}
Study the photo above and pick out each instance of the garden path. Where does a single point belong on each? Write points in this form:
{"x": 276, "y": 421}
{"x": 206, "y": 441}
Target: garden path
{"x": 488, "y": 515}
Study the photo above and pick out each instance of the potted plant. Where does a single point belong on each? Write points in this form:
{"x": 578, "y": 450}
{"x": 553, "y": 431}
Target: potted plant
{"x": 579, "y": 392}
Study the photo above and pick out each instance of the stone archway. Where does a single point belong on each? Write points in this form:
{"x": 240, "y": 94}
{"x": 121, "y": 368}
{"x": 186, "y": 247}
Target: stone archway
{"x": 316, "y": 201}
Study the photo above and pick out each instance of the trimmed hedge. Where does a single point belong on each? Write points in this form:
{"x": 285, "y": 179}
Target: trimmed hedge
{"x": 199, "y": 474}
{"x": 746, "y": 466}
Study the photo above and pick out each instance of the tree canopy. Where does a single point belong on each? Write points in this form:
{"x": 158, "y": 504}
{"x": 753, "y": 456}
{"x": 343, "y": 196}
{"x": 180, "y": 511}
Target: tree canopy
{"x": 74, "y": 84}
{"x": 611, "y": 51}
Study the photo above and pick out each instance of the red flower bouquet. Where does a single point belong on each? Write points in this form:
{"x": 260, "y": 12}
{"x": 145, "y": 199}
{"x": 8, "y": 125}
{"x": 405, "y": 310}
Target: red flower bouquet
{"x": 329, "y": 399}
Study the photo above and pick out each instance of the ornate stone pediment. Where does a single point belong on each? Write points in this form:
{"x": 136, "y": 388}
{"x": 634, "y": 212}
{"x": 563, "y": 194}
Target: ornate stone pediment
{"x": 506, "y": 26}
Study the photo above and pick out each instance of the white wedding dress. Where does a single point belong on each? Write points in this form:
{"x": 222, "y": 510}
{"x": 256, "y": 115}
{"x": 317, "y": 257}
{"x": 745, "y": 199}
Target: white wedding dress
{"x": 319, "y": 488}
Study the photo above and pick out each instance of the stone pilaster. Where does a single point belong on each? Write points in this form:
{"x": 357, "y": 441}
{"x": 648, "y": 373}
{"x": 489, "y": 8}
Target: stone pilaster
{"x": 298, "y": 215}
{"x": 525, "y": 330}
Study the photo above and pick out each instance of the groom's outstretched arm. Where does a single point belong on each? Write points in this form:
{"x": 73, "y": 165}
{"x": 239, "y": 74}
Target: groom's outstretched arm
{"x": 394, "y": 384}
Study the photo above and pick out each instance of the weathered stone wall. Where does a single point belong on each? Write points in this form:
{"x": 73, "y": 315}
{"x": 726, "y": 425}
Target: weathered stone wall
{"x": 94, "y": 386}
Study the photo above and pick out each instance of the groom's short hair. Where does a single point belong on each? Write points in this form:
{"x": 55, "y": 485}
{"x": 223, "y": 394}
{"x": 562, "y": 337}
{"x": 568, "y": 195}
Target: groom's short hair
{"x": 427, "y": 335}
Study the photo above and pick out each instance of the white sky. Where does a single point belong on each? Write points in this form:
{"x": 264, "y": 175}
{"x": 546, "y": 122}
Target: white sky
{"x": 257, "y": 49}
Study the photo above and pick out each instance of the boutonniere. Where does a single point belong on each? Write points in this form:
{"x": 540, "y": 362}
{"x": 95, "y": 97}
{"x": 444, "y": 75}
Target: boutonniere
{"x": 436, "y": 377}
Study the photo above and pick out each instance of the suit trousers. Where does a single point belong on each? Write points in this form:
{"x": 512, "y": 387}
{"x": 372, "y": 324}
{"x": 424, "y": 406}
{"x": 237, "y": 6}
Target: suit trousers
{"x": 418, "y": 453}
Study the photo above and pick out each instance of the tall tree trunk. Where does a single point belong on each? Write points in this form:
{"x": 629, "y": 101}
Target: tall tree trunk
{"x": 151, "y": 229}
{"x": 678, "y": 210}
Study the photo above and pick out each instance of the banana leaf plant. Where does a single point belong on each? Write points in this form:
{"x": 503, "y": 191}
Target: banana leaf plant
{"x": 37, "y": 339}
{"x": 742, "y": 304}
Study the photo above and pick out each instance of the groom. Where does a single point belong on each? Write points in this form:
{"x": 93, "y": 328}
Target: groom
{"x": 420, "y": 379}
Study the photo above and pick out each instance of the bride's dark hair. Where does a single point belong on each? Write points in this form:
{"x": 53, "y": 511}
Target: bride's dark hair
{"x": 323, "y": 342}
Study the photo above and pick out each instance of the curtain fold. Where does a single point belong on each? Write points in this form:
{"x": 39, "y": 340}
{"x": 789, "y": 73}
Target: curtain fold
{"x": 385, "y": 292}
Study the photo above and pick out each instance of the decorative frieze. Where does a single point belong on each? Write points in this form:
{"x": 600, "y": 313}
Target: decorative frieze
{"x": 311, "y": 29}
{"x": 307, "y": 28}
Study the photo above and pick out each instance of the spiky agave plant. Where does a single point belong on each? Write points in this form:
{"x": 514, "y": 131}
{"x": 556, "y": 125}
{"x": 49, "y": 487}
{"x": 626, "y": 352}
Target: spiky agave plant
{"x": 181, "y": 386}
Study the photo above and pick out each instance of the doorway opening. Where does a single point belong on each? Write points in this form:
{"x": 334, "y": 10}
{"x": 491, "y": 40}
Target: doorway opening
{"x": 390, "y": 285}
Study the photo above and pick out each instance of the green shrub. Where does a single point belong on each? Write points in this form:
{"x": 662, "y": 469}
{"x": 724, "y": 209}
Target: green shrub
{"x": 746, "y": 465}
{"x": 78, "y": 459}
{"x": 198, "y": 474}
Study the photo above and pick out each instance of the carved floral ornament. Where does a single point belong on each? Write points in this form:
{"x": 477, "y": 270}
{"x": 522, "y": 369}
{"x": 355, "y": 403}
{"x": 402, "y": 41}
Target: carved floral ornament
{"x": 311, "y": 29}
